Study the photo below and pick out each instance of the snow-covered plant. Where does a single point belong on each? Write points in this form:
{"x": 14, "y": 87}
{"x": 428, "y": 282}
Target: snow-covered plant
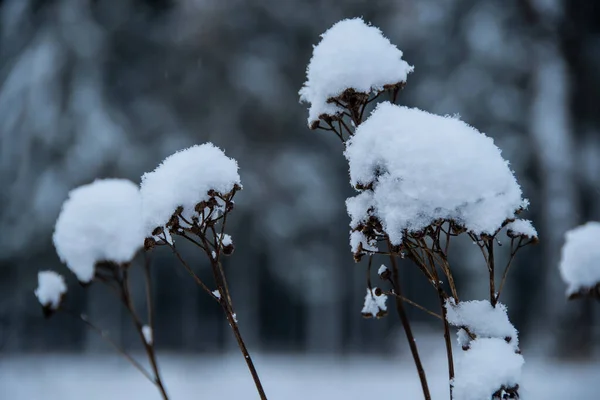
{"x": 420, "y": 180}
{"x": 190, "y": 196}
{"x": 103, "y": 225}
{"x": 580, "y": 261}
{"x": 50, "y": 291}
{"x": 97, "y": 235}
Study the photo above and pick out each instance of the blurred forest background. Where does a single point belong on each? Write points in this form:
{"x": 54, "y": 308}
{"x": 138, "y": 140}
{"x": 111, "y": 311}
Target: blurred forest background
{"x": 102, "y": 88}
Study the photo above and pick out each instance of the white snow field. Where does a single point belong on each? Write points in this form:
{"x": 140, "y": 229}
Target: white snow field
{"x": 286, "y": 377}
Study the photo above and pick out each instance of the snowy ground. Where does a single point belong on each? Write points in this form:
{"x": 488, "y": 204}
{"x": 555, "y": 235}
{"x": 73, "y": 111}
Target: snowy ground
{"x": 289, "y": 377}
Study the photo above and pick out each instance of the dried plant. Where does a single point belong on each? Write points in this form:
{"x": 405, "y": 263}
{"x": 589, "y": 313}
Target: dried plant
{"x": 104, "y": 224}
{"x": 399, "y": 211}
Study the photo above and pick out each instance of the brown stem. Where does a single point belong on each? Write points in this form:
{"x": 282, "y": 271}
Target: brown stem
{"x": 229, "y": 313}
{"x": 513, "y": 253}
{"x": 406, "y": 324}
{"x": 105, "y": 336}
{"x": 491, "y": 268}
{"x": 412, "y": 303}
{"x": 191, "y": 271}
{"x": 238, "y": 336}
{"x": 148, "y": 347}
{"x": 447, "y": 340}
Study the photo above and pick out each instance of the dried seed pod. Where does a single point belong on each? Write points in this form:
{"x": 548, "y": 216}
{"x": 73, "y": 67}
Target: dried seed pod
{"x": 149, "y": 243}
{"x": 228, "y": 250}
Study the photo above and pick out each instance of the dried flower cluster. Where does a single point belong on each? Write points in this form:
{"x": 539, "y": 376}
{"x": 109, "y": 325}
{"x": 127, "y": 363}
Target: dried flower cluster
{"x": 421, "y": 180}
{"x": 103, "y": 225}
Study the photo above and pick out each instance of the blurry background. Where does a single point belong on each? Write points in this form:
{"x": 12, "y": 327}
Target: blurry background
{"x": 101, "y": 88}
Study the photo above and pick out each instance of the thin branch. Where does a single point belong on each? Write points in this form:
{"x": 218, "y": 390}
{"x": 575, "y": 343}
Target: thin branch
{"x": 106, "y": 337}
{"x": 148, "y": 281}
{"x": 412, "y": 303}
{"x": 148, "y": 346}
{"x": 191, "y": 272}
{"x": 513, "y": 253}
{"x": 447, "y": 340}
{"x": 406, "y": 324}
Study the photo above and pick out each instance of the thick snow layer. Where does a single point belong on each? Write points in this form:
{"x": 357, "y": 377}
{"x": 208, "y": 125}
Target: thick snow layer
{"x": 354, "y": 55}
{"x": 425, "y": 167}
{"x": 101, "y": 221}
{"x": 51, "y": 288}
{"x": 580, "y": 257}
{"x": 373, "y": 303}
{"x": 522, "y": 227}
{"x": 486, "y": 367}
{"x": 285, "y": 376}
{"x": 482, "y": 319}
{"x": 184, "y": 179}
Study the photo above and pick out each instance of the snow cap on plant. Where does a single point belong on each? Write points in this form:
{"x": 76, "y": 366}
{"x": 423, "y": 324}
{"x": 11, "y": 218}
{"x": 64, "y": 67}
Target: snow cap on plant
{"x": 352, "y": 60}
{"x": 413, "y": 169}
{"x": 521, "y": 228}
{"x": 99, "y": 222}
{"x": 580, "y": 260}
{"x": 374, "y": 305}
{"x": 488, "y": 370}
{"x": 188, "y": 187}
{"x": 50, "y": 291}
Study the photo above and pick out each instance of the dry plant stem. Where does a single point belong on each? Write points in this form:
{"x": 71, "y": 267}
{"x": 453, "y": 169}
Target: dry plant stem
{"x": 191, "y": 271}
{"x": 148, "y": 347}
{"x": 412, "y": 303}
{"x": 231, "y": 319}
{"x": 106, "y": 337}
{"x": 406, "y": 324}
{"x": 491, "y": 268}
{"x": 447, "y": 340}
{"x": 149, "y": 304}
{"x": 513, "y": 253}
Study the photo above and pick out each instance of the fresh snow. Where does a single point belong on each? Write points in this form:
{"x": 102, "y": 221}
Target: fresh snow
{"x": 486, "y": 367}
{"x": 382, "y": 269}
{"x": 226, "y": 240}
{"x": 481, "y": 319}
{"x": 358, "y": 240}
{"x": 184, "y": 179}
{"x": 425, "y": 167}
{"x": 100, "y": 221}
{"x": 217, "y": 294}
{"x": 51, "y": 288}
{"x": 373, "y": 303}
{"x": 148, "y": 336}
{"x": 522, "y": 227}
{"x": 289, "y": 376}
{"x": 351, "y": 54}
{"x": 580, "y": 258}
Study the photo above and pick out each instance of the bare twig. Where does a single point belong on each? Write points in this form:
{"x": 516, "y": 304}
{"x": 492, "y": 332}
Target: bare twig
{"x": 412, "y": 303}
{"x": 407, "y": 329}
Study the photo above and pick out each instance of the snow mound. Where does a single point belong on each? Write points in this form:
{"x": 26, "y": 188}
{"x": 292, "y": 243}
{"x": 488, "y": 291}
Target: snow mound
{"x": 521, "y": 227}
{"x": 488, "y": 366}
{"x": 100, "y": 221}
{"x": 481, "y": 319}
{"x": 423, "y": 167}
{"x": 51, "y": 288}
{"x": 183, "y": 180}
{"x": 374, "y": 305}
{"x": 351, "y": 55}
{"x": 580, "y": 258}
